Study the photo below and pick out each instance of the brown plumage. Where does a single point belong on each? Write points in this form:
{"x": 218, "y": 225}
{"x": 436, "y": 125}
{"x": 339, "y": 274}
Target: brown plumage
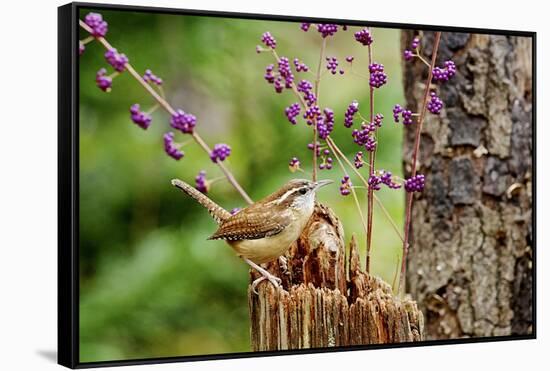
{"x": 264, "y": 230}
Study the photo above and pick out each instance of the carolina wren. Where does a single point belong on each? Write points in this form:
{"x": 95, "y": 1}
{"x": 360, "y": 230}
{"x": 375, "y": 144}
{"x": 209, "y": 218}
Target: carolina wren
{"x": 263, "y": 231}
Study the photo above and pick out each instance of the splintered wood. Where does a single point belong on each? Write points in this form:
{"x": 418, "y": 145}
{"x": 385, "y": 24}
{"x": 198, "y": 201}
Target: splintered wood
{"x": 321, "y": 304}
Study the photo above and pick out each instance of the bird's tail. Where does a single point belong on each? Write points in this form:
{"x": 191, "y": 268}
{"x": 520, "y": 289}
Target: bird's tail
{"x": 216, "y": 211}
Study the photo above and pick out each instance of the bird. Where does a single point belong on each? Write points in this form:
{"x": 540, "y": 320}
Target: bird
{"x": 263, "y": 231}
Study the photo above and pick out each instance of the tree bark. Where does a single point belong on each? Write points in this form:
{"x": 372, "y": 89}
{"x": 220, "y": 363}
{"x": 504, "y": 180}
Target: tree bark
{"x": 323, "y": 304}
{"x": 470, "y": 263}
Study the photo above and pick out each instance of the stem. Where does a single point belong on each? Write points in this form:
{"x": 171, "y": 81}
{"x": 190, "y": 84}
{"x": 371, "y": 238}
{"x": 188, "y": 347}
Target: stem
{"x": 372, "y": 156}
{"x": 338, "y": 152}
{"x": 408, "y": 210}
{"x": 164, "y": 104}
{"x": 316, "y": 91}
{"x": 352, "y": 192}
{"x": 87, "y": 40}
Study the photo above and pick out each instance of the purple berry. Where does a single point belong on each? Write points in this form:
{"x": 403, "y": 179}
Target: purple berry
{"x": 445, "y": 73}
{"x": 220, "y": 152}
{"x": 269, "y": 40}
{"x": 292, "y": 112}
{"x": 415, "y": 43}
{"x": 332, "y": 64}
{"x": 415, "y": 183}
{"x": 142, "y": 119}
{"x": 387, "y": 179}
{"x": 285, "y": 72}
{"x": 377, "y": 75}
{"x": 378, "y": 119}
{"x": 300, "y": 66}
{"x": 363, "y": 136}
{"x": 408, "y": 55}
{"x": 269, "y": 77}
{"x": 326, "y": 125}
{"x": 185, "y": 122}
{"x": 81, "y": 48}
{"x": 150, "y": 77}
{"x": 435, "y": 104}
{"x": 407, "y": 117}
{"x": 97, "y": 24}
{"x": 374, "y": 182}
{"x": 305, "y": 26}
{"x": 345, "y": 187}
{"x": 397, "y": 109}
{"x": 201, "y": 184}
{"x": 170, "y": 147}
{"x": 103, "y": 81}
{"x": 352, "y": 109}
{"x": 364, "y": 37}
{"x": 349, "y": 58}
{"x": 294, "y": 164}
{"x": 327, "y": 29}
{"x": 358, "y": 160}
{"x": 115, "y": 59}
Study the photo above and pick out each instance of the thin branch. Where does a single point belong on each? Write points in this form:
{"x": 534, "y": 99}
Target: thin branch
{"x": 372, "y": 158}
{"x": 164, "y": 104}
{"x": 408, "y": 210}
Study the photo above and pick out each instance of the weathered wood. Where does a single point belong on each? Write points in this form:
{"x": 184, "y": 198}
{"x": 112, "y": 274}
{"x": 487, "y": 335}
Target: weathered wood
{"x": 323, "y": 305}
{"x": 469, "y": 267}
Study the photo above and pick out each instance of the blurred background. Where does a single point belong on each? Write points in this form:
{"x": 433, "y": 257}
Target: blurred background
{"x": 151, "y": 285}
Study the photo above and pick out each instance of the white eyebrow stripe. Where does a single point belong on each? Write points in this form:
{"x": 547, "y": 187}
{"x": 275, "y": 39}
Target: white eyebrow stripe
{"x": 281, "y": 199}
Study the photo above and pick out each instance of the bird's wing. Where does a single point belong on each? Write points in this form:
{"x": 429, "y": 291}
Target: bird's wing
{"x": 253, "y": 224}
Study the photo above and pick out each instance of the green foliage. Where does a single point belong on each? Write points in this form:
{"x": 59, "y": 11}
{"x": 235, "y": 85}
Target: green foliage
{"x": 151, "y": 285}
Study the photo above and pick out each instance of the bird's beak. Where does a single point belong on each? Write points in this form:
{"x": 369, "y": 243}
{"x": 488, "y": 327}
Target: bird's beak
{"x": 321, "y": 183}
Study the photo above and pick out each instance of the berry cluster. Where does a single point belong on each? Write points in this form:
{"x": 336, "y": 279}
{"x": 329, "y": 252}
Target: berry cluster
{"x": 326, "y": 164}
{"x": 358, "y": 160}
{"x": 300, "y": 66}
{"x": 294, "y": 164}
{"x": 415, "y": 183}
{"x": 332, "y": 64}
{"x": 445, "y": 73}
{"x": 185, "y": 122}
{"x": 363, "y": 136}
{"x": 97, "y": 24}
{"x": 435, "y": 104}
{"x": 269, "y": 40}
{"x": 325, "y": 126}
{"x": 170, "y": 147}
{"x": 387, "y": 179}
{"x": 406, "y": 115}
{"x": 103, "y": 81}
{"x": 116, "y": 59}
{"x": 311, "y": 114}
{"x": 292, "y": 112}
{"x": 352, "y": 109}
{"x": 374, "y": 182}
{"x": 220, "y": 152}
{"x": 378, "y": 119}
{"x": 306, "y": 88}
{"x": 149, "y": 76}
{"x": 310, "y": 146}
{"x": 305, "y": 26}
{"x": 408, "y": 54}
{"x": 364, "y": 37}
{"x": 377, "y": 75}
{"x": 142, "y": 119}
{"x": 201, "y": 184}
{"x": 345, "y": 187}
{"x": 327, "y": 29}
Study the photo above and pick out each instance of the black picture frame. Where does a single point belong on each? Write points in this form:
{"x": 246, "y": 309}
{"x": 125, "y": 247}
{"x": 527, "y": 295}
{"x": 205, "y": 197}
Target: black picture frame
{"x": 68, "y": 183}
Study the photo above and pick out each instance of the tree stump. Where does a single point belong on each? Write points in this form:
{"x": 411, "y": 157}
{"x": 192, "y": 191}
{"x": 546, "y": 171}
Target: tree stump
{"x": 470, "y": 265}
{"x": 323, "y": 304}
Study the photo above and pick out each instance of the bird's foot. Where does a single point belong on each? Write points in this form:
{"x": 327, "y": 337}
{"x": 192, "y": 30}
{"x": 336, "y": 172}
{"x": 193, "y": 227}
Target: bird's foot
{"x": 283, "y": 264}
{"x": 275, "y": 281}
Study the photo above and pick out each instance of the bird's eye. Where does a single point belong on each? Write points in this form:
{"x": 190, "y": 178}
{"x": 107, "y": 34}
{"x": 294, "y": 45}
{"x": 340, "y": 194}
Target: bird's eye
{"x": 303, "y": 191}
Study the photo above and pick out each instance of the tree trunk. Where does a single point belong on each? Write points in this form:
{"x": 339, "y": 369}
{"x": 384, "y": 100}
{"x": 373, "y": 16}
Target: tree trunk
{"x": 470, "y": 263}
{"x": 319, "y": 306}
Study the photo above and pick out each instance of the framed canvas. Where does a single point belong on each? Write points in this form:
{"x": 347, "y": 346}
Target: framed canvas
{"x": 237, "y": 185}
